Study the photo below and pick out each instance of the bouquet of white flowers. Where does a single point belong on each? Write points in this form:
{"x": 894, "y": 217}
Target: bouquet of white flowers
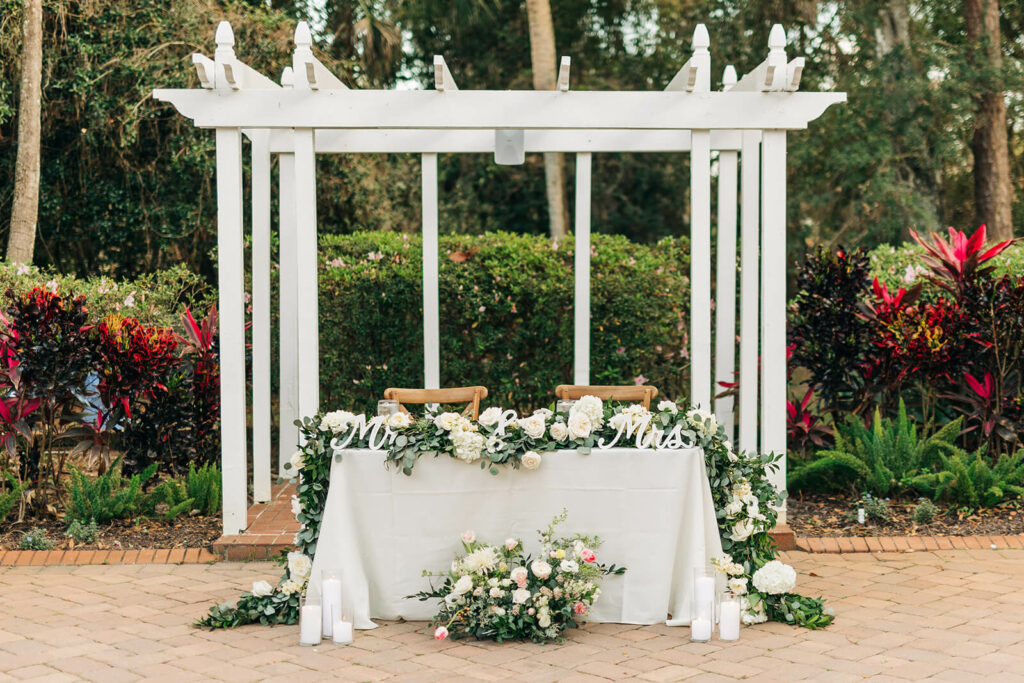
{"x": 498, "y": 592}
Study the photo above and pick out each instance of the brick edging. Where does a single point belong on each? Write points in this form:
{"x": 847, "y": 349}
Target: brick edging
{"x": 38, "y": 558}
{"x": 896, "y": 544}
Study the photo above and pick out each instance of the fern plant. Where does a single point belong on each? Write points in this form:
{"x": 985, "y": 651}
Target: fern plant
{"x": 968, "y": 479}
{"x": 199, "y": 491}
{"x": 878, "y": 459}
{"x": 8, "y": 499}
{"x": 107, "y": 497}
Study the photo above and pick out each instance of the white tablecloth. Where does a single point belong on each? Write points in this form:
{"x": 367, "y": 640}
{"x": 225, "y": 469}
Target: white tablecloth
{"x": 653, "y": 510}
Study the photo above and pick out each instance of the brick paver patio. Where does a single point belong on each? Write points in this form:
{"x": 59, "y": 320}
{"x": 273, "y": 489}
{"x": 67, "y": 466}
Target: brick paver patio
{"x": 948, "y": 614}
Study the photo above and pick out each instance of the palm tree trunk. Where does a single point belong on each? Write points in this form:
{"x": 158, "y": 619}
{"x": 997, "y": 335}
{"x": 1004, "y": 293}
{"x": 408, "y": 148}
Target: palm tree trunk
{"x": 542, "y": 60}
{"x": 25, "y": 209}
{"x": 993, "y": 190}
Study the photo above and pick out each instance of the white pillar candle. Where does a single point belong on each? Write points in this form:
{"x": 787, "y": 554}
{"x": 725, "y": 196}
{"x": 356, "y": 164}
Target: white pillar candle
{"x": 704, "y": 590}
{"x": 343, "y": 632}
{"x": 330, "y": 599}
{"x": 310, "y": 623}
{"x": 729, "y": 620}
{"x": 700, "y": 629}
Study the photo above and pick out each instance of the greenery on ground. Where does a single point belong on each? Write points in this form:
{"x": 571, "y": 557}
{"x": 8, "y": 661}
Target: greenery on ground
{"x": 36, "y": 539}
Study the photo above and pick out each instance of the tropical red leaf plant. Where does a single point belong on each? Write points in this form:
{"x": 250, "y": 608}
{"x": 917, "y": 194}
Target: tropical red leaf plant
{"x": 955, "y": 264}
{"x": 803, "y": 428}
{"x": 201, "y": 346}
{"x": 135, "y": 361}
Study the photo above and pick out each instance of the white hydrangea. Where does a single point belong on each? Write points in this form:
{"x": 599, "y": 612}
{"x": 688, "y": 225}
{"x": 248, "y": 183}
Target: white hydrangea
{"x": 636, "y": 412}
{"x": 290, "y": 587}
{"x": 580, "y": 425}
{"x": 490, "y": 416}
{"x": 775, "y": 578}
{"x": 337, "y": 421}
{"x": 533, "y": 426}
{"x": 669, "y": 406}
{"x": 468, "y": 445}
{"x": 592, "y": 407}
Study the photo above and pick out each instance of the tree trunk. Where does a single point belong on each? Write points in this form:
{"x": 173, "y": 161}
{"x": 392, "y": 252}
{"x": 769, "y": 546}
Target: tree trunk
{"x": 993, "y": 190}
{"x": 542, "y": 61}
{"x": 25, "y": 209}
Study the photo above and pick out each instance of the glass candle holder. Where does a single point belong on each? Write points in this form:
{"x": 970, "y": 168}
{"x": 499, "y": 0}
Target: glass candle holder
{"x": 343, "y": 628}
{"x": 702, "y": 605}
{"x": 310, "y": 622}
{"x": 387, "y": 407}
{"x": 729, "y": 609}
{"x": 564, "y": 405}
{"x": 330, "y": 599}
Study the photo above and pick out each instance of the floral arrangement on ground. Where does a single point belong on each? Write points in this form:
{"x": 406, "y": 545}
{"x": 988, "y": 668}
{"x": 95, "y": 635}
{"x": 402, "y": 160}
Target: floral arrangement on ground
{"x": 499, "y": 592}
{"x": 745, "y": 500}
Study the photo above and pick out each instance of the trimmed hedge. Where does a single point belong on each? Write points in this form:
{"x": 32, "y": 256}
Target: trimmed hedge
{"x": 506, "y": 315}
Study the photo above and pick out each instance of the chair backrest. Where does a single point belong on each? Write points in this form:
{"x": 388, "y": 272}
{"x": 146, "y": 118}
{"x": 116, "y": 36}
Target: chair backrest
{"x": 641, "y": 394}
{"x": 470, "y": 395}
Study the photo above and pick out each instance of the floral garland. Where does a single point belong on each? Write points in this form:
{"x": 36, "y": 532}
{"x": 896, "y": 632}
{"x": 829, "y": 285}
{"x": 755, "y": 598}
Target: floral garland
{"x": 745, "y": 500}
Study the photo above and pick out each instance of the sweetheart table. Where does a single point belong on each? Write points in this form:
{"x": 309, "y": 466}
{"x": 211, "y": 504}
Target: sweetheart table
{"x": 652, "y": 508}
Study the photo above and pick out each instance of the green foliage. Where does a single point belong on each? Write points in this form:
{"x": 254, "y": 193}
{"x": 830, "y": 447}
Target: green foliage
{"x": 876, "y": 508}
{"x": 798, "y": 610}
{"x": 10, "y": 497}
{"x": 200, "y": 491}
{"x": 878, "y": 460}
{"x": 968, "y": 479}
{"x": 506, "y": 323}
{"x": 83, "y": 533}
{"x": 107, "y": 497}
{"x": 901, "y": 266}
{"x": 925, "y": 512}
{"x": 276, "y": 608}
{"x": 36, "y": 539}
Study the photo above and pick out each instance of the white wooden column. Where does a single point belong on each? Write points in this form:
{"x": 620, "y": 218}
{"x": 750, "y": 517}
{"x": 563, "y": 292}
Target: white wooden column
{"x": 261, "y": 317}
{"x": 307, "y": 291}
{"x": 581, "y": 297}
{"x": 725, "y": 289}
{"x": 700, "y": 269}
{"x": 431, "y": 298}
{"x": 750, "y": 300}
{"x": 773, "y": 301}
{"x": 231, "y": 289}
{"x": 288, "y": 303}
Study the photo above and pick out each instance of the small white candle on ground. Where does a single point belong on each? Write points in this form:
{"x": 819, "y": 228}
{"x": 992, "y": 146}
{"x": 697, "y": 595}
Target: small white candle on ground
{"x": 700, "y": 629}
{"x": 330, "y": 599}
{"x": 310, "y": 624}
{"x": 342, "y": 632}
{"x": 729, "y": 620}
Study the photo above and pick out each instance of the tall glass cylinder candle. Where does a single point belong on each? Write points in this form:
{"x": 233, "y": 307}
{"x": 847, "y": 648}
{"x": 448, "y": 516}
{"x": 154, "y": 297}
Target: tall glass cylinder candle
{"x": 330, "y": 599}
{"x": 387, "y": 406}
{"x": 310, "y": 622}
{"x": 564, "y": 405}
{"x": 729, "y": 609}
{"x": 702, "y": 612}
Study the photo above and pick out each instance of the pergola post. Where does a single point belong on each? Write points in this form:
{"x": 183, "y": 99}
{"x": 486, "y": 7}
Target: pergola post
{"x": 750, "y": 300}
{"x": 581, "y": 297}
{"x": 725, "y": 288}
{"x": 700, "y": 269}
{"x": 431, "y": 297}
{"x": 288, "y": 303}
{"x": 261, "y": 317}
{"x": 231, "y": 288}
{"x": 307, "y": 260}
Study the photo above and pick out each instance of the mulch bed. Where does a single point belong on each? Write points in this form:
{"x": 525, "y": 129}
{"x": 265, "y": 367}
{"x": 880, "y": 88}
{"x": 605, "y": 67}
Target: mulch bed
{"x": 183, "y": 532}
{"x": 815, "y": 515}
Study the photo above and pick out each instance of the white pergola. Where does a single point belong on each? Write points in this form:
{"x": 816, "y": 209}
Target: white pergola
{"x": 312, "y": 112}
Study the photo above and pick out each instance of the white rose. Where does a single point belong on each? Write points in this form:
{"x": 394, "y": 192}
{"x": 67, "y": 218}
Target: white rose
{"x": 559, "y": 432}
{"x": 531, "y": 460}
{"x": 592, "y": 407}
{"x": 775, "y": 578}
{"x": 544, "y": 412}
{"x": 742, "y": 530}
{"x": 544, "y": 619}
{"x": 290, "y": 587}
{"x": 738, "y": 585}
{"x": 337, "y": 421}
{"x": 490, "y": 416}
{"x": 299, "y": 566}
{"x": 733, "y": 508}
{"x": 399, "y": 420}
{"x": 568, "y": 566}
{"x": 669, "y": 406}
{"x": 261, "y": 589}
{"x": 540, "y": 569}
{"x": 496, "y": 592}
{"x": 520, "y": 575}
{"x": 741, "y": 490}
{"x": 297, "y": 461}
{"x": 580, "y": 426}
{"x": 533, "y": 426}
{"x": 445, "y": 421}
{"x": 520, "y": 596}
{"x": 463, "y": 585}
{"x": 296, "y": 506}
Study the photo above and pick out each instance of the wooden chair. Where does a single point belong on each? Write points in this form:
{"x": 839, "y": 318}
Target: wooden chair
{"x": 641, "y": 394}
{"x": 471, "y": 395}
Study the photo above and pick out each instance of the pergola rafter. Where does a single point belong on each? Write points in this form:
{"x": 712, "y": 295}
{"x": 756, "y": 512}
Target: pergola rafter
{"x": 312, "y": 112}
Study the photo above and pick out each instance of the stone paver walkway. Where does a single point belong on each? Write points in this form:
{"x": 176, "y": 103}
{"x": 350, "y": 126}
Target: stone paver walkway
{"x": 949, "y": 614}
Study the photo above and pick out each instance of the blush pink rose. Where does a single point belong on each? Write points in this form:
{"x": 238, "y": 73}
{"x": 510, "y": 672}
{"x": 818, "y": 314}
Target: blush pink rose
{"x": 440, "y": 633}
{"x": 588, "y": 556}
{"x": 468, "y": 536}
{"x": 580, "y": 608}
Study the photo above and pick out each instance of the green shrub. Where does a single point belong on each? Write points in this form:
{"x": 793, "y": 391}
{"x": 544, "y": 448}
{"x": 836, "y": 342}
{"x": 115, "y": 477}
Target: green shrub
{"x": 9, "y": 498}
{"x": 925, "y": 512}
{"x": 890, "y": 265}
{"x": 36, "y": 539}
{"x": 876, "y": 508}
{"x": 107, "y": 497}
{"x": 968, "y": 479}
{"x": 878, "y": 460}
{"x": 506, "y": 315}
{"x": 83, "y": 533}
{"x": 199, "y": 491}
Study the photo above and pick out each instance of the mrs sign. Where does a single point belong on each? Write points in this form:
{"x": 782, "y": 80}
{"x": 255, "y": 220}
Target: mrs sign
{"x": 312, "y": 112}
